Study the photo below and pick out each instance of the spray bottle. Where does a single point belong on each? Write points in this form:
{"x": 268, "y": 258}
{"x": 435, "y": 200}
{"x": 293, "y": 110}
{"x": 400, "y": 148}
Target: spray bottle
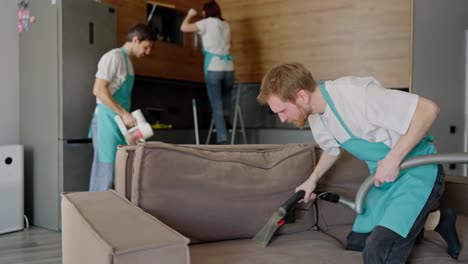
{"x": 138, "y": 133}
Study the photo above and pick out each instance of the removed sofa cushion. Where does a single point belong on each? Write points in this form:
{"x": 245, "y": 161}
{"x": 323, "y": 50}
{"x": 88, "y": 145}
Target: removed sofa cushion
{"x": 104, "y": 227}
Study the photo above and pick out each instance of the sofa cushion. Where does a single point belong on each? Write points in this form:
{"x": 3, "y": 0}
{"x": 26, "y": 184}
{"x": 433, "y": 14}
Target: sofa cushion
{"x": 299, "y": 248}
{"x": 339, "y": 232}
{"x": 214, "y": 192}
{"x": 433, "y": 249}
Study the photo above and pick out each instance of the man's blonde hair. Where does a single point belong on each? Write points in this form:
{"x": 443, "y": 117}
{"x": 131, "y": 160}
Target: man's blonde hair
{"x": 285, "y": 80}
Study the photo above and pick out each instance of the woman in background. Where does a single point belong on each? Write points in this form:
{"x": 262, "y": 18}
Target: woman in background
{"x": 218, "y": 65}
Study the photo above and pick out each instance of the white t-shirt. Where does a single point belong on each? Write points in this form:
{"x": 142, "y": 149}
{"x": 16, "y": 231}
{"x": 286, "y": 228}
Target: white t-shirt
{"x": 370, "y": 111}
{"x": 216, "y": 38}
{"x": 112, "y": 68}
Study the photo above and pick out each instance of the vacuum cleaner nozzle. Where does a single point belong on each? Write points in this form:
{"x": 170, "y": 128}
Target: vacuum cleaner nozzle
{"x": 263, "y": 237}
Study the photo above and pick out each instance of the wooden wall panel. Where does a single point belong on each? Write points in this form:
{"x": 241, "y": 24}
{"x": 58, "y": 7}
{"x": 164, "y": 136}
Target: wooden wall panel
{"x": 332, "y": 38}
{"x": 166, "y": 60}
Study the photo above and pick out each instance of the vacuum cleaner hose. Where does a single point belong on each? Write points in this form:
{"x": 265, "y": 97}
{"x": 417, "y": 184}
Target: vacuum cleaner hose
{"x": 408, "y": 163}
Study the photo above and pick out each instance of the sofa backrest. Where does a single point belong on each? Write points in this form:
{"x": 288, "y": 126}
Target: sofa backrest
{"x": 214, "y": 192}
{"x": 455, "y": 194}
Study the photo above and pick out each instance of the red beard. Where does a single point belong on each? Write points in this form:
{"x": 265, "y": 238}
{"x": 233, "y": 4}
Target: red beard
{"x": 302, "y": 118}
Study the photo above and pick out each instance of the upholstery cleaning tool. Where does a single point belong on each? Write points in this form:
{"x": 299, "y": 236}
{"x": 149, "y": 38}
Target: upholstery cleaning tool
{"x": 263, "y": 237}
{"x": 265, "y": 234}
{"x": 140, "y": 132}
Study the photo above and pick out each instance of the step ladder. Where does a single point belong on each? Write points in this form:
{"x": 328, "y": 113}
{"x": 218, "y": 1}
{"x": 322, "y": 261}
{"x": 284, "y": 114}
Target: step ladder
{"x": 233, "y": 131}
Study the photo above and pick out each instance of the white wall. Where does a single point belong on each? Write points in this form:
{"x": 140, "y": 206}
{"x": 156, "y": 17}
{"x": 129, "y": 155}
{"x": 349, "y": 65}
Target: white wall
{"x": 439, "y": 68}
{"x": 9, "y": 74}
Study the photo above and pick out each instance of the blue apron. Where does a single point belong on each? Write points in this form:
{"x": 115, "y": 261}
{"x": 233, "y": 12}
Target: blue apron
{"x": 209, "y": 56}
{"x": 394, "y": 205}
{"x": 109, "y": 135}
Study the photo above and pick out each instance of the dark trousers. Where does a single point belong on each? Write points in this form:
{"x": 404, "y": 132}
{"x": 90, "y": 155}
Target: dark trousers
{"x": 382, "y": 245}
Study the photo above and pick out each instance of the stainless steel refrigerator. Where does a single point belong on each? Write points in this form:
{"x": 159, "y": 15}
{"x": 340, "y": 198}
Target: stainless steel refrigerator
{"x": 58, "y": 61}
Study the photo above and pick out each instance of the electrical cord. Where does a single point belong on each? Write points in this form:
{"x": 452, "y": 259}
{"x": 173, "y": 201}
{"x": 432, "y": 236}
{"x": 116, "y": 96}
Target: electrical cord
{"x": 323, "y": 193}
{"x": 26, "y": 222}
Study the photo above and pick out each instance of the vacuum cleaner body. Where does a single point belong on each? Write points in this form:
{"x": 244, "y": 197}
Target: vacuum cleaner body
{"x": 138, "y": 133}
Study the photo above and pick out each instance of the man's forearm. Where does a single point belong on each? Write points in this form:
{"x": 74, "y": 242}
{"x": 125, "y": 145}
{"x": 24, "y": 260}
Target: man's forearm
{"x": 324, "y": 163}
{"x": 101, "y": 91}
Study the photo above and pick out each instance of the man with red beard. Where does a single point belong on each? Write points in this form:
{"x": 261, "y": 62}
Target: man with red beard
{"x": 380, "y": 126}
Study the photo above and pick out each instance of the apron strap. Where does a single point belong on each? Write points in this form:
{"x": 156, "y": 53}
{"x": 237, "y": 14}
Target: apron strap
{"x": 126, "y": 60}
{"x": 333, "y": 108}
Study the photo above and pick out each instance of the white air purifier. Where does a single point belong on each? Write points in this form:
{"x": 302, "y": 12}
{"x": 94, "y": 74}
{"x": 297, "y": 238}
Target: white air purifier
{"x": 11, "y": 188}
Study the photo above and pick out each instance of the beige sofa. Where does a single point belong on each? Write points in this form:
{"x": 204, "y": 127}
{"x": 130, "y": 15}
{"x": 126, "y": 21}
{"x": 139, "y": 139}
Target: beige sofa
{"x": 202, "y": 204}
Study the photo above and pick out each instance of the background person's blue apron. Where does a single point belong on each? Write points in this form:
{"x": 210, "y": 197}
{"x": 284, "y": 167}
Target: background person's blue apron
{"x": 108, "y": 134}
{"x": 209, "y": 56}
{"x": 393, "y": 205}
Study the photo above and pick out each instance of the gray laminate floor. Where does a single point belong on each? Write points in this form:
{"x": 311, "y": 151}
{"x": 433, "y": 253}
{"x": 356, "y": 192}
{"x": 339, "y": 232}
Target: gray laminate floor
{"x": 34, "y": 246}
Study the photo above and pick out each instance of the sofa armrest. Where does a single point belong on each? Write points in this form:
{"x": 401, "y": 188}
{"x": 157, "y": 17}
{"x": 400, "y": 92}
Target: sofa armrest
{"x": 123, "y": 170}
{"x": 104, "y": 227}
{"x": 456, "y": 194}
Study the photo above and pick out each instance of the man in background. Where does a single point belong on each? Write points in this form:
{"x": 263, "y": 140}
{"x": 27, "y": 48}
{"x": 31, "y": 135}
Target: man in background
{"x": 113, "y": 89}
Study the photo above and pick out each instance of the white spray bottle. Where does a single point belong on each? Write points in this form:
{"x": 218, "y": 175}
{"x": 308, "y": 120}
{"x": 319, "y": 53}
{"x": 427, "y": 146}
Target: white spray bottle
{"x": 138, "y": 133}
